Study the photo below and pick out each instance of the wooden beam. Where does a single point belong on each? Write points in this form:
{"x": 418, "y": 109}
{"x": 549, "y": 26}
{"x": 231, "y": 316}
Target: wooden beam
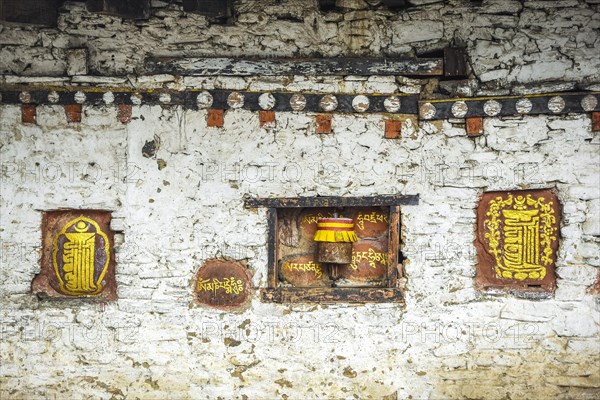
{"x": 130, "y": 9}
{"x": 331, "y": 295}
{"x": 212, "y": 66}
{"x": 327, "y": 5}
{"x": 333, "y": 201}
{"x": 34, "y": 12}
{"x": 455, "y": 62}
{"x": 395, "y": 4}
{"x": 209, "y": 8}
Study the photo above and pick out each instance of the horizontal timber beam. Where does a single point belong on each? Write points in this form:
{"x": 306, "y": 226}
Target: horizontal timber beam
{"x": 296, "y": 202}
{"x": 210, "y": 66}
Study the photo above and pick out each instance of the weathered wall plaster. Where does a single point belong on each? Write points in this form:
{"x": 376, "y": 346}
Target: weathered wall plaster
{"x": 183, "y": 205}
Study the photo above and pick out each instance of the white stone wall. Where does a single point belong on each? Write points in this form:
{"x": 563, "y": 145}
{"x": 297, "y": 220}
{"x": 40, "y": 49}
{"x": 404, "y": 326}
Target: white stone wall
{"x": 447, "y": 341}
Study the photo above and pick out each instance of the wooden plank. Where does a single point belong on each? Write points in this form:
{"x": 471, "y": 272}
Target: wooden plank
{"x": 327, "y": 5}
{"x": 332, "y": 295}
{"x": 211, "y": 66}
{"x": 393, "y": 272}
{"x": 395, "y": 4}
{"x": 455, "y": 62}
{"x": 209, "y": 8}
{"x": 272, "y": 240}
{"x": 132, "y": 9}
{"x": 334, "y": 201}
{"x": 35, "y": 12}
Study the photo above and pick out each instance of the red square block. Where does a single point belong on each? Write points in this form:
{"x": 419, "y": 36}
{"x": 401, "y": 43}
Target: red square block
{"x": 73, "y": 112}
{"x": 393, "y": 129}
{"x": 474, "y": 126}
{"x": 596, "y": 122}
{"x": 215, "y": 118}
{"x": 28, "y": 113}
{"x": 266, "y": 119}
{"x": 323, "y": 123}
{"x": 124, "y": 113}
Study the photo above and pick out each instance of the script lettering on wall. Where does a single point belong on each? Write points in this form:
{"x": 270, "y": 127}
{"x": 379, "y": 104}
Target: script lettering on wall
{"x": 77, "y": 255}
{"x": 517, "y": 239}
{"x": 222, "y": 284}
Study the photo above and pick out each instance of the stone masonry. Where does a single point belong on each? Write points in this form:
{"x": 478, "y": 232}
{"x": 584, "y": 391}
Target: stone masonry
{"x": 182, "y": 204}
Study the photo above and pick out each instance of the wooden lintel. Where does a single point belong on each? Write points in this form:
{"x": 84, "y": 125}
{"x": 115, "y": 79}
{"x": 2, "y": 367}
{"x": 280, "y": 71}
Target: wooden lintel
{"x": 211, "y": 66}
{"x": 131, "y": 9}
{"x": 296, "y": 202}
{"x": 332, "y": 295}
{"x": 34, "y": 12}
{"x": 455, "y": 62}
{"x": 209, "y": 8}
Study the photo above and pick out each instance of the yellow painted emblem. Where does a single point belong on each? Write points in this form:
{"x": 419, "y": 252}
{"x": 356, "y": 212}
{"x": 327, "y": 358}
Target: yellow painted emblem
{"x": 78, "y": 248}
{"x": 520, "y": 231}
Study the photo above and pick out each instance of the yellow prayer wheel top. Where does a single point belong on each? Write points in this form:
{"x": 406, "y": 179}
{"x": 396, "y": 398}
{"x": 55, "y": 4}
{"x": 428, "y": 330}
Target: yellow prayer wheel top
{"x": 335, "y": 230}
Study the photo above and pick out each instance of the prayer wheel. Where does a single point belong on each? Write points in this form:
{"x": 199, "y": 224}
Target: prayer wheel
{"x": 334, "y": 239}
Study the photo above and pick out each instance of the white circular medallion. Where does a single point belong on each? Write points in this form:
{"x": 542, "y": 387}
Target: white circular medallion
{"x": 392, "y": 104}
{"x": 589, "y": 103}
{"x": 136, "y": 99}
{"x": 523, "y": 106}
{"x": 556, "y": 104}
{"x": 266, "y": 101}
{"x": 459, "y": 109}
{"x": 25, "y": 97}
{"x": 297, "y": 102}
{"x": 427, "y": 111}
{"x": 108, "y": 98}
{"x": 79, "y": 97}
{"x": 492, "y": 108}
{"x": 328, "y": 102}
{"x": 235, "y": 100}
{"x": 360, "y": 103}
{"x": 53, "y": 97}
{"x": 204, "y": 100}
{"x": 164, "y": 98}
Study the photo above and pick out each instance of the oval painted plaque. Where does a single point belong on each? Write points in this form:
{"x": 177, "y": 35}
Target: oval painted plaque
{"x": 222, "y": 284}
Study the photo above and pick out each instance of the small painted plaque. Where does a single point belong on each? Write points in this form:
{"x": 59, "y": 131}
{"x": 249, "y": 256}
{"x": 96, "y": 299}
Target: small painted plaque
{"x": 77, "y": 256}
{"x": 222, "y": 284}
{"x": 517, "y": 239}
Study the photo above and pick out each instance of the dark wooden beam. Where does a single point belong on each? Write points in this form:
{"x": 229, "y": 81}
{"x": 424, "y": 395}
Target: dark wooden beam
{"x": 35, "y": 12}
{"x": 209, "y": 8}
{"x": 130, "y": 9}
{"x": 326, "y": 5}
{"x": 395, "y": 4}
{"x": 334, "y": 201}
{"x": 331, "y": 295}
{"x": 455, "y": 62}
{"x": 317, "y": 66}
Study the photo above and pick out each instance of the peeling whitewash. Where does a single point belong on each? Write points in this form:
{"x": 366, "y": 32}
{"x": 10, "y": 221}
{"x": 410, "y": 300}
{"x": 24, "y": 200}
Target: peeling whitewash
{"x": 447, "y": 341}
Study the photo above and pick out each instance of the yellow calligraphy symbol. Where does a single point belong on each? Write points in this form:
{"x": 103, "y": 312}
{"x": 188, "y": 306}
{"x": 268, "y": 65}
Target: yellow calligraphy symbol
{"x": 305, "y": 267}
{"x": 371, "y": 256}
{"x": 229, "y": 285}
{"x": 79, "y": 258}
{"x": 373, "y": 217}
{"x": 527, "y": 234}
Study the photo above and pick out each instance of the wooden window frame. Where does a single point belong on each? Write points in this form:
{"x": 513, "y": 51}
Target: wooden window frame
{"x": 380, "y": 294}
